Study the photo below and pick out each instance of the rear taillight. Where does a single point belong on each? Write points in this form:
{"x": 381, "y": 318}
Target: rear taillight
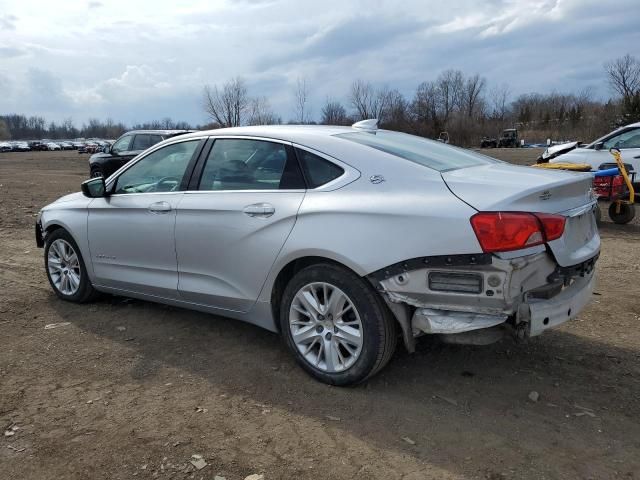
{"x": 505, "y": 231}
{"x": 553, "y": 225}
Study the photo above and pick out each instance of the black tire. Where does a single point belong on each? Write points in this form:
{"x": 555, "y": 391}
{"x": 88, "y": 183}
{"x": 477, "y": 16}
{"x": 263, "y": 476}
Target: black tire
{"x": 379, "y": 335}
{"x": 96, "y": 172}
{"x": 598, "y": 214}
{"x": 85, "y": 291}
{"x": 626, "y": 214}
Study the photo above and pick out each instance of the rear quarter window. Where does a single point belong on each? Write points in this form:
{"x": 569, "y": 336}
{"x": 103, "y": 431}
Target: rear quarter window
{"x": 317, "y": 171}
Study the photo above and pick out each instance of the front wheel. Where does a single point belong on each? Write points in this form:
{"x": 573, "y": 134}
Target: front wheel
{"x": 65, "y": 268}
{"x": 336, "y": 325}
{"x": 96, "y": 172}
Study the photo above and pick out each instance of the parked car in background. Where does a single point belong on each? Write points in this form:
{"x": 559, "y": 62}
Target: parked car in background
{"x": 21, "y": 147}
{"x": 53, "y": 146}
{"x": 77, "y": 145}
{"x": 91, "y": 147}
{"x": 65, "y": 145}
{"x": 125, "y": 148}
{"x": 5, "y": 147}
{"x": 37, "y": 145}
{"x": 342, "y": 239}
{"x": 626, "y": 139}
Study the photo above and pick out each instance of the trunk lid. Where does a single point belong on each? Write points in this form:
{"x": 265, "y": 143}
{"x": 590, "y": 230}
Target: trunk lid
{"x": 503, "y": 187}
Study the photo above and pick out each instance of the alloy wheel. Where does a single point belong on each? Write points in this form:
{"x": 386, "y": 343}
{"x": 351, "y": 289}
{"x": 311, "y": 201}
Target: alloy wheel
{"x": 326, "y": 327}
{"x": 64, "y": 267}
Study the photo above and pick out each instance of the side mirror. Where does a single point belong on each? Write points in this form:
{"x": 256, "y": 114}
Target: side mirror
{"x": 106, "y": 149}
{"x": 598, "y": 146}
{"x": 94, "y": 187}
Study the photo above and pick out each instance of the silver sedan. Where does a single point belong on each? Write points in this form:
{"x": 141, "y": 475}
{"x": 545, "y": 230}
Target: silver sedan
{"x": 343, "y": 239}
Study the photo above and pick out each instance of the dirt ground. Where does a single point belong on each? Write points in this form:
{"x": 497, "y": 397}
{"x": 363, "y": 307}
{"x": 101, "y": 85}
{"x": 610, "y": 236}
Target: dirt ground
{"x": 125, "y": 389}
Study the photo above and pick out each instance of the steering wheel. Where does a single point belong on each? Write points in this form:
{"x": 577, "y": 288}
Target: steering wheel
{"x": 166, "y": 180}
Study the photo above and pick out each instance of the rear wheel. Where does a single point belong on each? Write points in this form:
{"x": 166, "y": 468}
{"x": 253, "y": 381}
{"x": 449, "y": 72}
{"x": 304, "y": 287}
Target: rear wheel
{"x": 624, "y": 215}
{"x": 335, "y": 324}
{"x": 65, "y": 268}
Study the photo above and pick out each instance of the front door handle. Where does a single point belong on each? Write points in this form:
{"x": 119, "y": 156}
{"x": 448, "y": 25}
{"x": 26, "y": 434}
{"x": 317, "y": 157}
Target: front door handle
{"x": 160, "y": 207}
{"x": 263, "y": 210}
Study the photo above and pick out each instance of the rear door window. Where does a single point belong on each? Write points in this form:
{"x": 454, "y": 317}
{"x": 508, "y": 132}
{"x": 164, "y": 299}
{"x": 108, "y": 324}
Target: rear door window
{"x": 246, "y": 164}
{"x": 141, "y": 142}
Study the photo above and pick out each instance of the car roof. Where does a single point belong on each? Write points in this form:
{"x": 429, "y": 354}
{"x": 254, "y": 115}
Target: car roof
{"x": 160, "y": 132}
{"x": 291, "y": 133}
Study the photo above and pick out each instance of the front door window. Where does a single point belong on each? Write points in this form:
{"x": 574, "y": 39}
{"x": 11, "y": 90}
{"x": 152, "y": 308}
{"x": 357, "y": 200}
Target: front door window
{"x": 160, "y": 171}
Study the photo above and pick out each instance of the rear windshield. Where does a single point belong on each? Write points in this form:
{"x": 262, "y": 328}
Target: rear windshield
{"x": 428, "y": 153}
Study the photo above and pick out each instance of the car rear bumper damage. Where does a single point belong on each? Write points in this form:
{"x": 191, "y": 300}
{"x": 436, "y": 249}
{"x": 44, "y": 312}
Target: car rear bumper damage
{"x": 478, "y": 298}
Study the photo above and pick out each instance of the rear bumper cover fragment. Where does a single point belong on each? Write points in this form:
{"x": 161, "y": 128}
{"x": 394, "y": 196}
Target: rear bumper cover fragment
{"x": 545, "y": 314}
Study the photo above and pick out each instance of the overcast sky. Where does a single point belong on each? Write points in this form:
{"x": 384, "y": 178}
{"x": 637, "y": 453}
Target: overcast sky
{"x": 140, "y": 60}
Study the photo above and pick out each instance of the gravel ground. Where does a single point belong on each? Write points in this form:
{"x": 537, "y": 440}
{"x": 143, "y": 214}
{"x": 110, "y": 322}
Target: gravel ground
{"x": 125, "y": 388}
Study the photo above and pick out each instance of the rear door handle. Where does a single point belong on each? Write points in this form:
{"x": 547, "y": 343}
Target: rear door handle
{"x": 160, "y": 207}
{"x": 264, "y": 210}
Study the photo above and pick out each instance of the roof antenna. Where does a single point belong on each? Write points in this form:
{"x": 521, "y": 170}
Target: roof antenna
{"x": 370, "y": 125}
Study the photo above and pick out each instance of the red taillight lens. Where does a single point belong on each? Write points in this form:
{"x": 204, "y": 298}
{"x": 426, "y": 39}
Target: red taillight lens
{"x": 505, "y": 231}
{"x": 553, "y": 225}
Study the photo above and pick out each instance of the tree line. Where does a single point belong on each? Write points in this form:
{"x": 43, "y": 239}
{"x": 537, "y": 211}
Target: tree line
{"x": 15, "y": 126}
{"x": 463, "y": 105}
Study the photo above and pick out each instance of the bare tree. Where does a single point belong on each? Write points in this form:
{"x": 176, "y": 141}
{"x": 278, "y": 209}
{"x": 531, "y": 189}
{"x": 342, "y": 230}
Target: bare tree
{"x": 624, "y": 75}
{"x": 301, "y": 93}
{"x": 369, "y": 102}
{"x": 424, "y": 107}
{"x": 167, "y": 124}
{"x": 227, "y": 106}
{"x": 397, "y": 113}
{"x": 450, "y": 84}
{"x": 471, "y": 94}
{"x": 333, "y": 113}
{"x": 499, "y": 98}
{"x": 260, "y": 112}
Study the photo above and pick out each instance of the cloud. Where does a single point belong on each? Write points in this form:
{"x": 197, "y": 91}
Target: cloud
{"x": 8, "y": 52}
{"x": 8, "y": 22}
{"x": 94, "y": 4}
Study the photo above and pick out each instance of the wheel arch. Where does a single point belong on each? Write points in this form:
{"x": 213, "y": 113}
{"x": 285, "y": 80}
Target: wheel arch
{"x": 288, "y": 271}
{"x": 60, "y": 223}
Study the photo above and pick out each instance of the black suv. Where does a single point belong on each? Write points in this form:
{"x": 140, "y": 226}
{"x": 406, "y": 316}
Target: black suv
{"x": 103, "y": 164}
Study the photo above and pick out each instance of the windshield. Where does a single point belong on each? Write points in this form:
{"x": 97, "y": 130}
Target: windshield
{"x": 428, "y": 153}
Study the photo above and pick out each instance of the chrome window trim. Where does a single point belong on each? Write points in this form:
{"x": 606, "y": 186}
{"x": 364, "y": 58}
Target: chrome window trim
{"x": 274, "y": 191}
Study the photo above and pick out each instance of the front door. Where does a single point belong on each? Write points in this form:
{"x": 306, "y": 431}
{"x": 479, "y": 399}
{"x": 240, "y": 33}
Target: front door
{"x": 230, "y": 230}
{"x": 131, "y": 232}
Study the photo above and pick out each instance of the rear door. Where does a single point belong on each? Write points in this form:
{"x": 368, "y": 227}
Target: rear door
{"x": 233, "y": 221}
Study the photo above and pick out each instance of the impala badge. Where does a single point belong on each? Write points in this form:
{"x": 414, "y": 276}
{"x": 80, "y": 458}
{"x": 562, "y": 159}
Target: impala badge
{"x": 546, "y": 195}
{"x": 376, "y": 179}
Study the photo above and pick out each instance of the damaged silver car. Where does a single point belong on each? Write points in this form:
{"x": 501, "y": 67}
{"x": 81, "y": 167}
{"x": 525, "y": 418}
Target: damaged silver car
{"x": 343, "y": 239}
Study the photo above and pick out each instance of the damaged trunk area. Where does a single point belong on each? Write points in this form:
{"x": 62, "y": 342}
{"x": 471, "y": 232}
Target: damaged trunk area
{"x": 477, "y": 299}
